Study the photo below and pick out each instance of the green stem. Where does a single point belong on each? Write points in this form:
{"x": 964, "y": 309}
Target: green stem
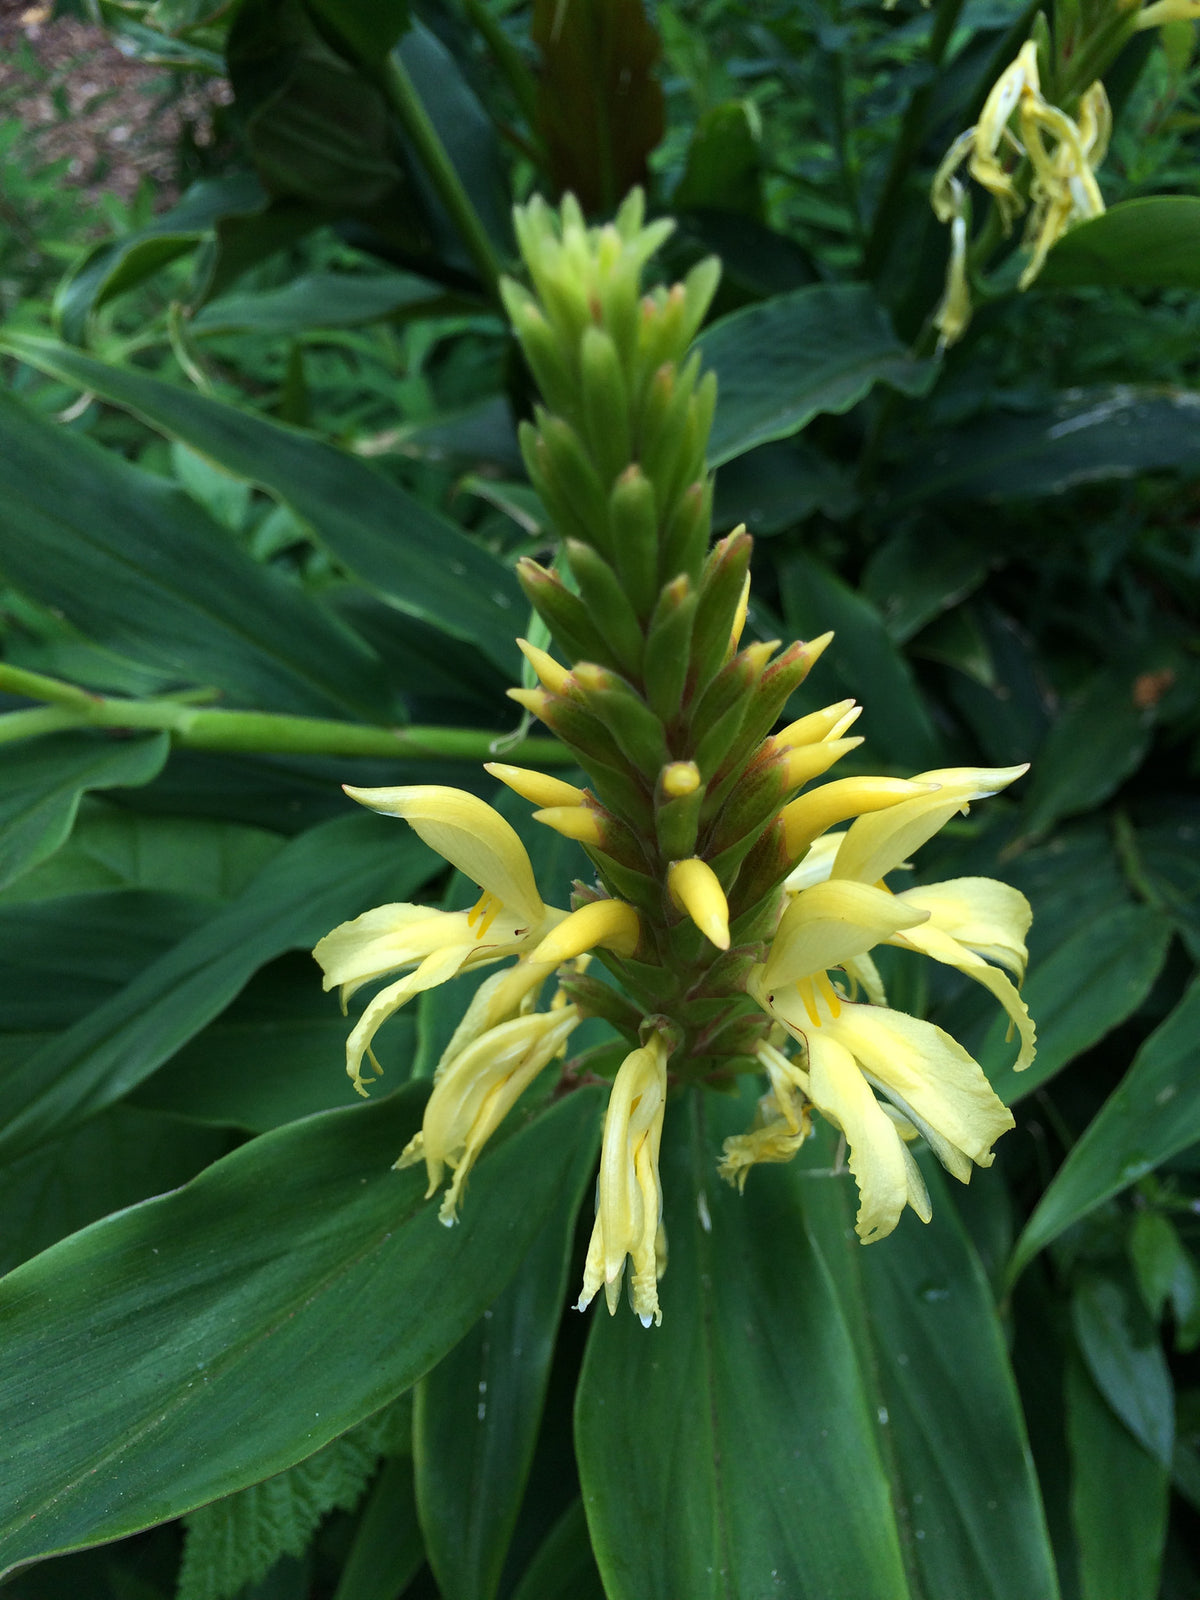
{"x": 508, "y": 58}
{"x": 255, "y": 732}
{"x": 908, "y": 141}
{"x": 415, "y": 120}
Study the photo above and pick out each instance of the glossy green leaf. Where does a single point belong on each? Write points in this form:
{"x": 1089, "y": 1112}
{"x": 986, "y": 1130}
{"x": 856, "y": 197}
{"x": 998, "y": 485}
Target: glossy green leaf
{"x": 913, "y": 578}
{"x": 328, "y": 874}
{"x": 928, "y": 1331}
{"x": 1167, "y": 1274}
{"x": 43, "y": 780}
{"x": 1120, "y": 1347}
{"x": 300, "y": 1280}
{"x": 387, "y": 1548}
{"x": 140, "y": 567}
{"x": 317, "y": 300}
{"x": 477, "y": 1415}
{"x": 899, "y": 728}
{"x": 235, "y": 1541}
{"x": 564, "y": 1567}
{"x": 732, "y": 1452}
{"x": 118, "y": 1158}
{"x": 113, "y": 848}
{"x": 1119, "y": 1497}
{"x": 1087, "y": 438}
{"x": 422, "y": 563}
{"x": 1090, "y": 984}
{"x": 278, "y": 1052}
{"x": 1151, "y": 243}
{"x": 1152, "y": 1115}
{"x": 109, "y": 269}
{"x": 779, "y": 364}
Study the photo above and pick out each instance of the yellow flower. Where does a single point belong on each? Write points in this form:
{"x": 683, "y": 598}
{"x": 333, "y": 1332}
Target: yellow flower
{"x": 497, "y": 1050}
{"x": 781, "y": 1122}
{"x": 508, "y": 919}
{"x": 629, "y": 1195}
{"x": 838, "y": 911}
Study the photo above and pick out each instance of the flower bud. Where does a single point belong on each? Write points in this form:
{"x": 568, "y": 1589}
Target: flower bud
{"x": 636, "y": 730}
{"x": 563, "y": 613}
{"x": 668, "y": 647}
{"x": 633, "y": 519}
{"x": 605, "y": 403}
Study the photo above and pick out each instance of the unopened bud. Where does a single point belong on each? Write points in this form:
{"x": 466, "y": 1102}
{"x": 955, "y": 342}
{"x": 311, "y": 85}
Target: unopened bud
{"x": 679, "y": 778}
{"x": 607, "y": 924}
{"x": 538, "y": 787}
{"x": 550, "y": 674}
{"x": 695, "y": 889}
{"x": 808, "y": 817}
{"x": 573, "y": 822}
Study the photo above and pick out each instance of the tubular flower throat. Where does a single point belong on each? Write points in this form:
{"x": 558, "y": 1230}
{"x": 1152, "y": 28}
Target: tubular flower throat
{"x": 734, "y": 892}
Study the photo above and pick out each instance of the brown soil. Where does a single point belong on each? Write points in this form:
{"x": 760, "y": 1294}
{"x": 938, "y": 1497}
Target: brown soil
{"x": 117, "y": 121}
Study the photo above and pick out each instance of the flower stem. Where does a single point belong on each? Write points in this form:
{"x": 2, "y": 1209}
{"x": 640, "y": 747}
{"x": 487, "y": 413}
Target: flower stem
{"x": 406, "y": 103}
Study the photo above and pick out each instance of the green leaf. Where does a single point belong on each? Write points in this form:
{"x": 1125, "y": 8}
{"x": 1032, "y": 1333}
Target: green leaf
{"x": 115, "y": 1160}
{"x": 1089, "y": 751}
{"x": 1152, "y": 1115}
{"x": 815, "y": 599}
{"x": 300, "y": 1280}
{"x": 724, "y": 162}
{"x": 277, "y": 1053}
{"x": 1151, "y": 243}
{"x": 477, "y": 1415}
{"x": 1088, "y": 437}
{"x": 318, "y": 300}
{"x": 926, "y": 1324}
{"x": 913, "y": 578}
{"x": 779, "y": 364}
{"x": 421, "y": 562}
{"x": 564, "y": 1567}
{"x": 1166, "y": 1273}
{"x": 112, "y": 848}
{"x": 387, "y": 1549}
{"x": 1086, "y": 988}
{"x": 236, "y": 1540}
{"x": 111, "y": 268}
{"x": 43, "y": 780}
{"x": 367, "y": 28}
{"x": 733, "y": 1450}
{"x": 1120, "y": 1346}
{"x": 138, "y": 566}
{"x": 328, "y": 874}
{"x": 1119, "y": 1497}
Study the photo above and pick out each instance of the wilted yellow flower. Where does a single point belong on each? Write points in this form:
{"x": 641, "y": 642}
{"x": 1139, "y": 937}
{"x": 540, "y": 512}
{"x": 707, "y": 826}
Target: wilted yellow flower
{"x": 629, "y": 1195}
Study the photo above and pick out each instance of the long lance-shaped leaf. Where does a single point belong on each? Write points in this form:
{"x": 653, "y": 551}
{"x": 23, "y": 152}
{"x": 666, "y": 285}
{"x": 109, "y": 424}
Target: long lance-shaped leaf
{"x": 137, "y": 565}
{"x": 330, "y": 873}
{"x": 298, "y": 1284}
{"x": 418, "y": 560}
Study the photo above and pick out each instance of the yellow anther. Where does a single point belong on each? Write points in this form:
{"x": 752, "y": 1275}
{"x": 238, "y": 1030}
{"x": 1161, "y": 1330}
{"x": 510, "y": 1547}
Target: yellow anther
{"x": 828, "y": 993}
{"x": 808, "y": 997}
{"x": 680, "y": 778}
{"x": 538, "y": 787}
{"x": 550, "y": 674}
{"x": 695, "y": 888}
{"x": 485, "y": 911}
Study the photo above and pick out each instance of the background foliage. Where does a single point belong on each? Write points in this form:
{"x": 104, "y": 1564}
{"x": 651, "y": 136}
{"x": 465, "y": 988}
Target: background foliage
{"x": 260, "y": 500}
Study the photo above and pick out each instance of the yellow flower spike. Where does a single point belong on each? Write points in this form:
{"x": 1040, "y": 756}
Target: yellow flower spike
{"x": 538, "y": 787}
{"x": 550, "y": 674}
{"x": 803, "y": 765}
{"x": 629, "y": 1194}
{"x": 476, "y": 1092}
{"x": 876, "y": 845}
{"x": 679, "y": 779}
{"x": 809, "y": 816}
{"x": 573, "y": 822}
{"x": 695, "y": 889}
{"x": 608, "y": 924}
{"x": 829, "y": 924}
{"x": 469, "y": 834}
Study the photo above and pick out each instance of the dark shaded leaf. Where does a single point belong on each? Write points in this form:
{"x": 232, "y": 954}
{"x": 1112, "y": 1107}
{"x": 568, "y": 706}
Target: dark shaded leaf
{"x": 1150, "y": 243}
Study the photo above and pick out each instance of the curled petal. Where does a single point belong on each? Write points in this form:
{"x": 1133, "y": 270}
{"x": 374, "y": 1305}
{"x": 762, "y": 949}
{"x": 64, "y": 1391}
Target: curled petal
{"x": 468, "y": 833}
{"x": 829, "y": 924}
{"x": 931, "y": 941}
{"x": 877, "y": 1152}
{"x": 990, "y": 918}
{"x": 610, "y": 924}
{"x": 876, "y": 845}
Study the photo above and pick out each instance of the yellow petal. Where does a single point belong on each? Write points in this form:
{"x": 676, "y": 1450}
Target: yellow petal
{"x": 498, "y": 999}
{"x": 469, "y": 834}
{"x": 550, "y": 674}
{"x": 538, "y": 787}
{"x": 989, "y": 917}
{"x": 611, "y": 924}
{"x": 573, "y": 822}
{"x": 810, "y": 761}
{"x": 804, "y": 819}
{"x": 816, "y": 726}
{"x": 830, "y": 923}
{"x": 816, "y": 865}
{"x": 876, "y": 845}
{"x": 437, "y": 968}
{"x": 695, "y": 888}
{"x": 933, "y": 942}
{"x": 877, "y": 1153}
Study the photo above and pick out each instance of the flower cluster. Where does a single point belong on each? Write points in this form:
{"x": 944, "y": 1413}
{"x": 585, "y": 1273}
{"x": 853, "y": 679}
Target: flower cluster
{"x": 732, "y": 909}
